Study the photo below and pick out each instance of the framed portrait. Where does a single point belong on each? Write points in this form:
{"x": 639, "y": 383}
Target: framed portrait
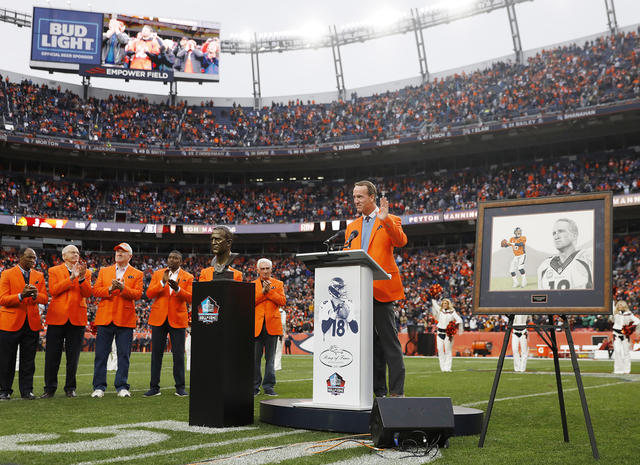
{"x": 548, "y": 255}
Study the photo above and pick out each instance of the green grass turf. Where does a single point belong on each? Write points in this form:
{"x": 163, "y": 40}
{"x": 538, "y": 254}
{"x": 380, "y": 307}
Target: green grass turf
{"x": 522, "y": 430}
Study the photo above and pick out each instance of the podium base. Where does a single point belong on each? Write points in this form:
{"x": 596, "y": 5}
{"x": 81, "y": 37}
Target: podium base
{"x": 293, "y": 414}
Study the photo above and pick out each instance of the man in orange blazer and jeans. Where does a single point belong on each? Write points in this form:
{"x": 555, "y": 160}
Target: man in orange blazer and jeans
{"x": 22, "y": 289}
{"x": 170, "y": 290}
{"x": 269, "y": 298}
{"x": 69, "y": 285}
{"x": 378, "y": 234}
{"x": 118, "y": 287}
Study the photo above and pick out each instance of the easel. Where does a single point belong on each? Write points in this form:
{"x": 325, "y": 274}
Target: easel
{"x": 547, "y": 333}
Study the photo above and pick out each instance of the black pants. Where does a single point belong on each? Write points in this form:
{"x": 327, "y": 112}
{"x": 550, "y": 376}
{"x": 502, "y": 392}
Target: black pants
{"x": 387, "y": 351}
{"x": 158, "y": 344}
{"x": 9, "y": 342}
{"x": 70, "y": 337}
{"x": 265, "y": 343}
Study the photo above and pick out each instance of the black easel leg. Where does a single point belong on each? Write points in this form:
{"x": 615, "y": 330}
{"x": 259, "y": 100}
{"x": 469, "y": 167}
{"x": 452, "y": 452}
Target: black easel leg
{"x": 583, "y": 398}
{"x": 496, "y": 380}
{"x": 556, "y": 363}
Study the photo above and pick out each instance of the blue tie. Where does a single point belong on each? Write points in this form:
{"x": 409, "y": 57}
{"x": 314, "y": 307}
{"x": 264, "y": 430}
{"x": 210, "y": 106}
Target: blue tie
{"x": 367, "y": 226}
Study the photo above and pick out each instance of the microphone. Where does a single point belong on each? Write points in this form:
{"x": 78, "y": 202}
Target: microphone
{"x": 352, "y": 236}
{"x": 337, "y": 236}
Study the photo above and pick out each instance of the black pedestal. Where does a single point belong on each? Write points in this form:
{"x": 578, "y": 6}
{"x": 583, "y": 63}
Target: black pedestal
{"x": 282, "y": 412}
{"x": 222, "y": 367}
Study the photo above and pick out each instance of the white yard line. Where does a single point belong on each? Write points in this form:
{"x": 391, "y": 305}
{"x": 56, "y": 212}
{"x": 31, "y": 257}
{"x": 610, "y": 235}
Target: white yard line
{"x": 278, "y": 454}
{"x": 548, "y": 393}
{"x": 179, "y": 450}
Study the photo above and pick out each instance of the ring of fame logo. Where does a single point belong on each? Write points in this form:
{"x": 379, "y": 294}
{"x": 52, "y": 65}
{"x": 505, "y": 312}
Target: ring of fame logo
{"x": 336, "y": 357}
{"x": 335, "y": 384}
{"x": 208, "y": 311}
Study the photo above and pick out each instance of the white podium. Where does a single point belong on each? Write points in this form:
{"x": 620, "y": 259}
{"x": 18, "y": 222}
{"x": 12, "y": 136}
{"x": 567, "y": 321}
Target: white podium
{"x": 343, "y": 328}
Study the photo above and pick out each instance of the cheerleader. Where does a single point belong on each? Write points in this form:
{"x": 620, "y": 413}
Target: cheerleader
{"x": 624, "y": 324}
{"x": 520, "y": 343}
{"x": 448, "y": 324}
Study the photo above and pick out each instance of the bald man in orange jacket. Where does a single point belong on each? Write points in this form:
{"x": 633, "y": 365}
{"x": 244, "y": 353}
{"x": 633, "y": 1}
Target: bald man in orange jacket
{"x": 22, "y": 289}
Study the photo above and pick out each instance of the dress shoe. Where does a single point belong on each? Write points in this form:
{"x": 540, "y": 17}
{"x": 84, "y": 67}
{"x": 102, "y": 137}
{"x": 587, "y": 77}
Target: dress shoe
{"x": 47, "y": 395}
{"x": 29, "y": 396}
{"x": 181, "y": 392}
{"x": 5, "y": 396}
{"x": 71, "y": 393}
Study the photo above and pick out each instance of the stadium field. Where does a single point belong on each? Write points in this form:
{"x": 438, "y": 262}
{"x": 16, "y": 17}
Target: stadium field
{"x": 506, "y": 284}
{"x": 525, "y": 426}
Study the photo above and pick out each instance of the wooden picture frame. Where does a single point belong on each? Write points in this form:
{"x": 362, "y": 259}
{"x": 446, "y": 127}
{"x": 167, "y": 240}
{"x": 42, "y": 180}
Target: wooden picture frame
{"x": 562, "y": 250}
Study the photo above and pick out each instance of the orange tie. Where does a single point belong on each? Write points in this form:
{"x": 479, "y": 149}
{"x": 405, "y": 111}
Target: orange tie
{"x": 188, "y": 66}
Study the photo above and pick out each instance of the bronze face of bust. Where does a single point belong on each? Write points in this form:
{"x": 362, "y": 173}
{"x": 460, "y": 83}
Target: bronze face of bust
{"x": 221, "y": 240}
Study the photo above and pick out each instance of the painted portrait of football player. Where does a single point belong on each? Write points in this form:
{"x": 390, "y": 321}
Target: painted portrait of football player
{"x": 338, "y": 314}
{"x": 571, "y": 268}
{"x": 517, "y": 243}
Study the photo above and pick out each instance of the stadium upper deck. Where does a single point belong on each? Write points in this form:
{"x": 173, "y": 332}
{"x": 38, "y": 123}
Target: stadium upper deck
{"x": 599, "y": 77}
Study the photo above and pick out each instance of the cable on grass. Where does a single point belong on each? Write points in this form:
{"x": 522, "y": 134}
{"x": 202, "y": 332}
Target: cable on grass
{"x": 416, "y": 449}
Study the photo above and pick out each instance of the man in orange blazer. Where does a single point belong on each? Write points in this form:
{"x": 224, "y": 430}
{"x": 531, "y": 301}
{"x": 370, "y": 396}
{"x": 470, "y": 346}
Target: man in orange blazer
{"x": 170, "y": 290}
{"x": 118, "y": 287}
{"x": 378, "y": 234}
{"x": 69, "y": 285}
{"x": 269, "y": 298}
{"x": 22, "y": 289}
{"x": 221, "y": 240}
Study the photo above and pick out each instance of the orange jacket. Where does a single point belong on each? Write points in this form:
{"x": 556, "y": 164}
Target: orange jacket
{"x": 207, "y": 274}
{"x": 168, "y": 304}
{"x": 268, "y": 305}
{"x": 118, "y": 306}
{"x": 12, "y": 310}
{"x": 68, "y": 298}
{"x": 385, "y": 235}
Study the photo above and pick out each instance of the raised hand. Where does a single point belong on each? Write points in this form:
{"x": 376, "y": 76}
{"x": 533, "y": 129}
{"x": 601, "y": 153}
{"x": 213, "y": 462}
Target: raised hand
{"x": 383, "y": 212}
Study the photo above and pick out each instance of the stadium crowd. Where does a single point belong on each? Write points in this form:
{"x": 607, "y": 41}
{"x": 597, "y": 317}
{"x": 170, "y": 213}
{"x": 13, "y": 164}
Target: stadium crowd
{"x": 46, "y": 196}
{"x": 448, "y": 271}
{"x": 566, "y": 78}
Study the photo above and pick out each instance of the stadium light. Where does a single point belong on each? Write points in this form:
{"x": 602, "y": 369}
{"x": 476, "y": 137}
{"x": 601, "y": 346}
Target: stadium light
{"x": 384, "y": 18}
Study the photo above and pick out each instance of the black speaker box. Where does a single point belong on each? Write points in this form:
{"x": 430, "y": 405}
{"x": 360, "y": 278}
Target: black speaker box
{"x": 425, "y": 420}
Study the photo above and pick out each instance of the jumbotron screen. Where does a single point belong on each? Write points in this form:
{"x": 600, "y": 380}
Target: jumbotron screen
{"x": 126, "y": 47}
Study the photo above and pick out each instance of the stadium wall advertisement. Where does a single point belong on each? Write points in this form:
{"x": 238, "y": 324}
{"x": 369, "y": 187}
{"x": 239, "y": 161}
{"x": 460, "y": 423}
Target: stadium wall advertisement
{"x": 124, "y": 46}
{"x": 66, "y": 36}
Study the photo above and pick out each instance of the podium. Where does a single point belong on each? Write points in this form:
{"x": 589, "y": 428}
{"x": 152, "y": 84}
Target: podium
{"x": 222, "y": 348}
{"x": 343, "y": 328}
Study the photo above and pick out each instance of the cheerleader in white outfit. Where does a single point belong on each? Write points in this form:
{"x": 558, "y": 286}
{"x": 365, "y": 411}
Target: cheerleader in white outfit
{"x": 623, "y": 320}
{"x": 445, "y": 314}
{"x": 520, "y": 342}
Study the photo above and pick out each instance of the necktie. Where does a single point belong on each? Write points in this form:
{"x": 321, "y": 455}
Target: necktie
{"x": 188, "y": 66}
{"x": 25, "y": 275}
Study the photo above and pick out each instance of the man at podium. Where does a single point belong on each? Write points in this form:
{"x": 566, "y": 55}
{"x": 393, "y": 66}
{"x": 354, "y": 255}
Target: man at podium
{"x": 378, "y": 233}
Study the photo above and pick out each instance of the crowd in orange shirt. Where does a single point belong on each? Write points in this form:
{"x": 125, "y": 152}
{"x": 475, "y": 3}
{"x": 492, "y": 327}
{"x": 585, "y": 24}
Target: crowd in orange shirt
{"x": 561, "y": 79}
{"x": 421, "y": 268}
